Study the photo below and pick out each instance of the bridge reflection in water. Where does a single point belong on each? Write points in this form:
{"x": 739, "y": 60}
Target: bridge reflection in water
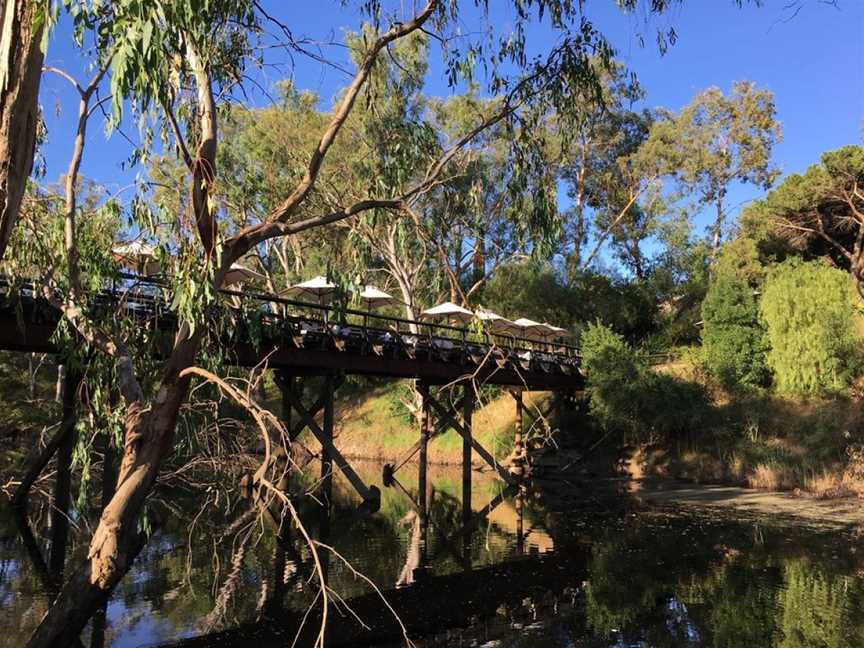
{"x": 445, "y": 574}
{"x": 659, "y": 576}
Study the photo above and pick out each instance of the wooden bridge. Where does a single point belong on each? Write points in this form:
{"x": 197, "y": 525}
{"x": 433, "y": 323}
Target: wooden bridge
{"x": 299, "y": 340}
{"x": 313, "y": 339}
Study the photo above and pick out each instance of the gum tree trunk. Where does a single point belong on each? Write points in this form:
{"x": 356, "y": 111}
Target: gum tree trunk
{"x": 118, "y": 539}
{"x": 22, "y": 25}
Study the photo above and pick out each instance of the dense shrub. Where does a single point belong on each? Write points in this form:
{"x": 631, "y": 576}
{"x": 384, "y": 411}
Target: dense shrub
{"x": 809, "y": 311}
{"x": 733, "y": 339}
{"x": 629, "y": 398}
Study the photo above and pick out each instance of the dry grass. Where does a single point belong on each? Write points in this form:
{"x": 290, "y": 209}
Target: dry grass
{"x": 771, "y": 477}
{"x": 373, "y": 426}
{"x": 764, "y": 441}
{"x": 826, "y": 485}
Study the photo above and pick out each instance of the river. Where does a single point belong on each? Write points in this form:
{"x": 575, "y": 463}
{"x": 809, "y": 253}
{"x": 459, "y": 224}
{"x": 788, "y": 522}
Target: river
{"x": 553, "y": 565}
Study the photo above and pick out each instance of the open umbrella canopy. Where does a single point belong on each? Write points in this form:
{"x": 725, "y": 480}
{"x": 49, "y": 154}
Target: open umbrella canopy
{"x": 317, "y": 288}
{"x": 554, "y": 331}
{"x": 529, "y": 328}
{"x": 238, "y": 274}
{"x": 448, "y": 310}
{"x": 137, "y": 256}
{"x": 373, "y": 297}
{"x": 495, "y": 322}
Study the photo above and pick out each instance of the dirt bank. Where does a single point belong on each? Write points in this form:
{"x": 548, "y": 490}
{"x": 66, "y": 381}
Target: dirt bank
{"x": 840, "y": 512}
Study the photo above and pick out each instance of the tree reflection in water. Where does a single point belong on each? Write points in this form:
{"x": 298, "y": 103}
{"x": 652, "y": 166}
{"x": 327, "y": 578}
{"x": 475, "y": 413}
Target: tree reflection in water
{"x": 529, "y": 568}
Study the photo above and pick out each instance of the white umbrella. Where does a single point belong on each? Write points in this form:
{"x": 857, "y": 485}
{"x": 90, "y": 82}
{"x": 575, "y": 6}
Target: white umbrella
{"x": 554, "y": 331}
{"x": 375, "y": 297}
{"x": 317, "y": 288}
{"x": 495, "y": 322}
{"x": 448, "y": 310}
{"x": 529, "y": 328}
{"x": 238, "y": 274}
{"x": 138, "y": 256}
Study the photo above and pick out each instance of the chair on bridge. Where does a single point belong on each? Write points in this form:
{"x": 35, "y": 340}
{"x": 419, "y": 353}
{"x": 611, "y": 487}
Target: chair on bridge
{"x": 346, "y": 337}
{"x": 476, "y": 354}
{"x": 409, "y": 344}
{"x": 523, "y": 358}
{"x": 311, "y": 334}
{"x": 443, "y": 348}
{"x": 379, "y": 342}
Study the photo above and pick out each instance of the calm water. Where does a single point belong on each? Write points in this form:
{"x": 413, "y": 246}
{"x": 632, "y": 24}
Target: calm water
{"x": 594, "y": 568}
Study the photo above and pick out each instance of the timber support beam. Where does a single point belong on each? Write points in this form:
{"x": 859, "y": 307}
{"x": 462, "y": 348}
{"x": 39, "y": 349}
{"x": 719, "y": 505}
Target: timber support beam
{"x": 292, "y": 404}
{"x": 436, "y": 418}
{"x": 520, "y": 457}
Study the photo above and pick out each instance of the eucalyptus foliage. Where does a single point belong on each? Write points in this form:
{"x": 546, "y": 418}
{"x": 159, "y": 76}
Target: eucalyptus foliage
{"x": 716, "y": 140}
{"x": 809, "y": 313}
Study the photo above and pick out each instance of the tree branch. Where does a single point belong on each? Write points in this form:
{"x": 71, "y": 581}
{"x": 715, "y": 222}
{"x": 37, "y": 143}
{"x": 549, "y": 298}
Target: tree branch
{"x": 204, "y": 165}
{"x": 251, "y": 236}
{"x": 633, "y": 198}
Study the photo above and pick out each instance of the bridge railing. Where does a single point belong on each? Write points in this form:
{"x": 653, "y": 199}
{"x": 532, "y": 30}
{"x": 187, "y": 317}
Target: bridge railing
{"x": 148, "y": 296}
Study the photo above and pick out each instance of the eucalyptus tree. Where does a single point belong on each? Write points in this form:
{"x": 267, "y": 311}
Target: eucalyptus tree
{"x": 475, "y": 222}
{"x": 716, "y": 140}
{"x": 22, "y": 50}
{"x": 177, "y": 61}
{"x": 394, "y": 143}
{"x": 604, "y": 188}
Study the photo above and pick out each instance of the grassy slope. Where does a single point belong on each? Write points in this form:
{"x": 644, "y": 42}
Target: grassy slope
{"x": 375, "y": 425}
{"x": 766, "y": 441}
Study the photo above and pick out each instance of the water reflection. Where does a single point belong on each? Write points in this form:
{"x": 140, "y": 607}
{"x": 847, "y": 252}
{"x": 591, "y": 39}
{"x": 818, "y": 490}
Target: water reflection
{"x": 523, "y": 567}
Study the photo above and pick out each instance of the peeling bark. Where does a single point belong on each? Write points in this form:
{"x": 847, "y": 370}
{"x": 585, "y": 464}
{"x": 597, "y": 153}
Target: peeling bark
{"x": 23, "y": 25}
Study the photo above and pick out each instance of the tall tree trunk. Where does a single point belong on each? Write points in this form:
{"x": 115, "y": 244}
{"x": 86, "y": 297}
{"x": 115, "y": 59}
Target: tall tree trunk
{"x": 718, "y": 228}
{"x": 31, "y": 376}
{"x": 478, "y": 259}
{"x": 23, "y": 24}
{"x": 118, "y": 539}
{"x": 63, "y": 484}
{"x": 61, "y": 379}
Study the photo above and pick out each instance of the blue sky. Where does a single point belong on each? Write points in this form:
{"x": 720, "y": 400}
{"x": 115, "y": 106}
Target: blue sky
{"x": 813, "y": 62}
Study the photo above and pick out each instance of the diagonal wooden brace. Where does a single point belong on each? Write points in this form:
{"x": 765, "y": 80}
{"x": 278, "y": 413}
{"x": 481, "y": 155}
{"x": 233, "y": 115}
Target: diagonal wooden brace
{"x": 390, "y": 469}
{"x": 446, "y": 416}
{"x": 446, "y": 541}
{"x": 371, "y": 495}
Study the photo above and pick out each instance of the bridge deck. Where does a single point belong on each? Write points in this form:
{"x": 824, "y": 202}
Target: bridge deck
{"x": 312, "y": 339}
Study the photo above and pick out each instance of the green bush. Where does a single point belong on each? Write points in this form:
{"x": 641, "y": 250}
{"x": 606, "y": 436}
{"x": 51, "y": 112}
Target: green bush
{"x": 733, "y": 339}
{"x": 629, "y": 398}
{"x": 809, "y": 311}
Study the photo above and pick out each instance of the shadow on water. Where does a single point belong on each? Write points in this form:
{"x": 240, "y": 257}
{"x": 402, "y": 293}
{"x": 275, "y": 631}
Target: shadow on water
{"x": 525, "y": 567}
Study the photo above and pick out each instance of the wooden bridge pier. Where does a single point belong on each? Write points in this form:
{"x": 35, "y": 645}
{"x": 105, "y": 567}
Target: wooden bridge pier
{"x": 62, "y": 493}
{"x": 519, "y": 456}
{"x": 436, "y": 418}
{"x": 292, "y": 403}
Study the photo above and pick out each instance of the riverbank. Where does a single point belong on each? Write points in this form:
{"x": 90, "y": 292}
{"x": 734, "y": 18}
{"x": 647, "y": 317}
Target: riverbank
{"x": 828, "y": 513}
{"x": 378, "y": 426}
{"x": 760, "y": 440}
{"x": 757, "y": 440}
